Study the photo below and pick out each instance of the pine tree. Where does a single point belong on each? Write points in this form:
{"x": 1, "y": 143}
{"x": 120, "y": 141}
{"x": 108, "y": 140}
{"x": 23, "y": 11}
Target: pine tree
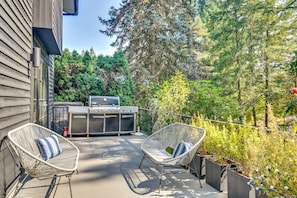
{"x": 157, "y": 36}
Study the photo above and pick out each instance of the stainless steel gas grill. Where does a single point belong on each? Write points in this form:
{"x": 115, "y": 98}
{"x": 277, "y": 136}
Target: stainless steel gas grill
{"x": 104, "y": 115}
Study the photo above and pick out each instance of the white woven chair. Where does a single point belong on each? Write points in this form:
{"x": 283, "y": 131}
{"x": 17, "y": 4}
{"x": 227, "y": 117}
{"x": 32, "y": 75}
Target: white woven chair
{"x": 23, "y": 141}
{"x": 154, "y": 147}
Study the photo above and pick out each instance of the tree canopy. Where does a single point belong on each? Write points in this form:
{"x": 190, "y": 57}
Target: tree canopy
{"x": 235, "y": 57}
{"x": 78, "y": 76}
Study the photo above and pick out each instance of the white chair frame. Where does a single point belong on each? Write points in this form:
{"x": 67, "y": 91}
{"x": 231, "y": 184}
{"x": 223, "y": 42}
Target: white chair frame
{"x": 154, "y": 146}
{"x": 23, "y": 141}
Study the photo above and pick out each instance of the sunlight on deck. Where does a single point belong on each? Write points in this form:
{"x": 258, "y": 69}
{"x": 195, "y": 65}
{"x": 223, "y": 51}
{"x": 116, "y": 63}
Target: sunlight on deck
{"x": 108, "y": 167}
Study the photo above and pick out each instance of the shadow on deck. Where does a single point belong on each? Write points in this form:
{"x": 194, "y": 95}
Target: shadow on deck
{"x": 108, "y": 167}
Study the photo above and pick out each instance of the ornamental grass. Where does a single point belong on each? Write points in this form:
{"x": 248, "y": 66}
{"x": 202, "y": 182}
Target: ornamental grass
{"x": 269, "y": 159}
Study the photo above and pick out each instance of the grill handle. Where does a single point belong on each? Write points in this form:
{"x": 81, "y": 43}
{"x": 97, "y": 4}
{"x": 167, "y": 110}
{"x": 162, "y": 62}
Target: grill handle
{"x": 111, "y": 116}
{"x": 127, "y": 116}
{"x": 80, "y": 116}
{"x": 98, "y": 117}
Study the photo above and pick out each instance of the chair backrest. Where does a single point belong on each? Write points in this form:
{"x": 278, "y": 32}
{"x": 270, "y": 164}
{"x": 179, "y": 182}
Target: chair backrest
{"x": 24, "y": 137}
{"x": 23, "y": 141}
{"x": 172, "y": 135}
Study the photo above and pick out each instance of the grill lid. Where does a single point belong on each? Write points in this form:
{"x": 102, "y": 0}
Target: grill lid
{"x": 104, "y": 101}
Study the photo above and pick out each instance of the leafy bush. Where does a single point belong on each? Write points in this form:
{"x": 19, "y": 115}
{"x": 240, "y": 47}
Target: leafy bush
{"x": 78, "y": 76}
{"x": 274, "y": 164}
{"x": 171, "y": 98}
{"x": 268, "y": 158}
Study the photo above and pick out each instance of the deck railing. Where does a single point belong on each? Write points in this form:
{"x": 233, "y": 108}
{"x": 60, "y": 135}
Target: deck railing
{"x": 147, "y": 119}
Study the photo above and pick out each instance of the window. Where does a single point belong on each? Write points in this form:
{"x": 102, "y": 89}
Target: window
{"x": 40, "y": 109}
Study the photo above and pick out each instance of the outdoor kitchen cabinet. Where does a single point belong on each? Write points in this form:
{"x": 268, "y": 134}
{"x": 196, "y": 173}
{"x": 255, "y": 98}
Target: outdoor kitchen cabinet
{"x": 79, "y": 123}
{"x": 96, "y": 123}
{"x": 104, "y": 115}
{"x": 127, "y": 122}
{"x": 78, "y": 120}
{"x": 112, "y": 123}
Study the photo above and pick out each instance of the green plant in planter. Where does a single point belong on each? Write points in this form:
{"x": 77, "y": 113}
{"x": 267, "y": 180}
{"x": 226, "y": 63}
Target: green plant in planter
{"x": 212, "y": 142}
{"x": 242, "y": 140}
{"x": 224, "y": 141}
{"x": 274, "y": 164}
{"x": 269, "y": 159}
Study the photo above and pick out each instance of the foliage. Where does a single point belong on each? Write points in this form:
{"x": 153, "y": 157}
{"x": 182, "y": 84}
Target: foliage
{"x": 268, "y": 158}
{"x": 179, "y": 96}
{"x": 172, "y": 97}
{"x": 274, "y": 164}
{"x": 159, "y": 38}
{"x": 145, "y": 121}
{"x": 292, "y": 105}
{"x": 78, "y": 76}
{"x": 250, "y": 51}
{"x": 209, "y": 100}
{"x": 245, "y": 49}
{"x": 225, "y": 141}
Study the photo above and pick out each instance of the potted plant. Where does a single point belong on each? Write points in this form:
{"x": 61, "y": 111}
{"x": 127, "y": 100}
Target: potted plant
{"x": 266, "y": 160}
{"x": 197, "y": 165}
{"x": 215, "y": 145}
{"x": 240, "y": 138}
{"x": 274, "y": 165}
{"x": 229, "y": 168}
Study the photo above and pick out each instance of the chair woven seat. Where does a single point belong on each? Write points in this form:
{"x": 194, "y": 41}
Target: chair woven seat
{"x": 23, "y": 141}
{"x": 154, "y": 147}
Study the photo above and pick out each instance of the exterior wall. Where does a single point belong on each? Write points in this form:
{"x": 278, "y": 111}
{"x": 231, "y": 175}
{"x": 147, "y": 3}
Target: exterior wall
{"x": 47, "y": 24}
{"x": 22, "y": 23}
{"x": 15, "y": 82}
{"x": 15, "y": 47}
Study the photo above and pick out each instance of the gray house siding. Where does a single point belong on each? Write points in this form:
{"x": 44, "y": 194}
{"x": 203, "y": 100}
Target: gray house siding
{"x": 15, "y": 81}
{"x": 25, "y": 24}
{"x": 15, "y": 47}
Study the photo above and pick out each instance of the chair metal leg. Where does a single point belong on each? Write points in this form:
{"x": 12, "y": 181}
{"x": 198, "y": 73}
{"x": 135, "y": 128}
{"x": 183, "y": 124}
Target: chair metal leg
{"x": 57, "y": 185}
{"x": 141, "y": 162}
{"x": 199, "y": 177}
{"x": 160, "y": 181}
{"x": 51, "y": 187}
{"x": 69, "y": 182}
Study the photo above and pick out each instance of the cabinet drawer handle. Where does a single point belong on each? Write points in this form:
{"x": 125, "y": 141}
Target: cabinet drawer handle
{"x": 98, "y": 117}
{"x": 79, "y": 116}
{"x": 111, "y": 116}
{"x": 127, "y": 116}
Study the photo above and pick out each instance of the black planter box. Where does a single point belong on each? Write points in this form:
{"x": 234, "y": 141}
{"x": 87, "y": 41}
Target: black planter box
{"x": 237, "y": 185}
{"x": 197, "y": 166}
{"x": 216, "y": 175}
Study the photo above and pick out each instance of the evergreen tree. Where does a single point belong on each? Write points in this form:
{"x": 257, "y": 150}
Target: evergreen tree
{"x": 225, "y": 21}
{"x": 78, "y": 76}
{"x": 157, "y": 36}
{"x": 251, "y": 47}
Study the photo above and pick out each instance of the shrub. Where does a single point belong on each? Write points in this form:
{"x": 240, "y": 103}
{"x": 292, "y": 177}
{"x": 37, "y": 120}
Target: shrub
{"x": 268, "y": 158}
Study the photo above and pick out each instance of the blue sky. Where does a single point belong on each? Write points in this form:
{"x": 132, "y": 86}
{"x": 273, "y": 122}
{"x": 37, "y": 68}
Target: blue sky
{"x": 82, "y": 32}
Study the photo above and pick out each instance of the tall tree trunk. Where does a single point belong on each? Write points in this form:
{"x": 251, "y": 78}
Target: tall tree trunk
{"x": 239, "y": 99}
{"x": 266, "y": 82}
{"x": 253, "y": 78}
{"x": 239, "y": 68}
{"x": 254, "y": 112}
